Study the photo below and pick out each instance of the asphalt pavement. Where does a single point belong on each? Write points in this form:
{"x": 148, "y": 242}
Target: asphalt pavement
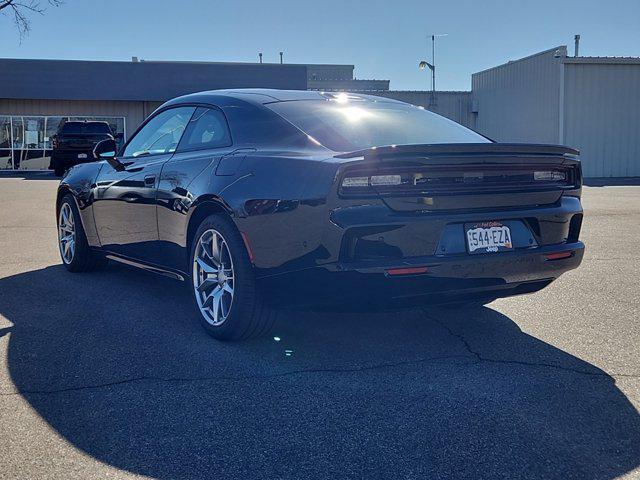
{"x": 109, "y": 375}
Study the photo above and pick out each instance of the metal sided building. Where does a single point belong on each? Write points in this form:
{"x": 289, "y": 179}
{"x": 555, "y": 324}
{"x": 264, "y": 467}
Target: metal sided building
{"x": 592, "y": 103}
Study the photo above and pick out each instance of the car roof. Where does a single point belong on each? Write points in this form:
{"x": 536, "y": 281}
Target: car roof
{"x": 262, "y": 96}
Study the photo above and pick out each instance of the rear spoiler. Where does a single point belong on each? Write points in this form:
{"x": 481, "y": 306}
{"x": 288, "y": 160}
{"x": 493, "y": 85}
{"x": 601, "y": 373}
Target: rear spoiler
{"x": 471, "y": 149}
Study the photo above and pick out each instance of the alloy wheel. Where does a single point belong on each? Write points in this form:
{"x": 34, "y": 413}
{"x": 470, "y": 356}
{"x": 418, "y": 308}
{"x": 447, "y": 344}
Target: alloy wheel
{"x": 67, "y": 233}
{"x": 213, "y": 277}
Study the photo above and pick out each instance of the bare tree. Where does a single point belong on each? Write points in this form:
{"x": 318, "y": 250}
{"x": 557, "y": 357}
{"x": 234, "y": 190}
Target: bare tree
{"x": 22, "y": 9}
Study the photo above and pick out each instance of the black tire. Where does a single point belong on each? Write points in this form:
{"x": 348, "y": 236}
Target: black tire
{"x": 249, "y": 315}
{"x": 58, "y": 166}
{"x": 83, "y": 258}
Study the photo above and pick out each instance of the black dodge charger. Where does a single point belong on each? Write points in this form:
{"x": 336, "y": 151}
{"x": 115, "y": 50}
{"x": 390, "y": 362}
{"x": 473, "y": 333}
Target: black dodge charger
{"x": 261, "y": 199}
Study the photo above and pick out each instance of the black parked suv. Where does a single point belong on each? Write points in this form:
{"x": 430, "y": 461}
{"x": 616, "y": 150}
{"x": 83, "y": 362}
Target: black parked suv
{"x": 74, "y": 144}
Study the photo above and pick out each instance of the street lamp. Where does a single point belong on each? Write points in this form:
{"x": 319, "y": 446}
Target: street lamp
{"x": 432, "y": 66}
{"x": 422, "y": 65}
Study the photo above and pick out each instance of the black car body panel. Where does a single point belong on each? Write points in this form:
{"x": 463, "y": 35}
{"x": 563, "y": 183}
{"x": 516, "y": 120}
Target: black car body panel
{"x": 309, "y": 239}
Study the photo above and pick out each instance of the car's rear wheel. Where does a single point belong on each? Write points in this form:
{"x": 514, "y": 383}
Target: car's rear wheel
{"x": 223, "y": 281}
{"x": 72, "y": 242}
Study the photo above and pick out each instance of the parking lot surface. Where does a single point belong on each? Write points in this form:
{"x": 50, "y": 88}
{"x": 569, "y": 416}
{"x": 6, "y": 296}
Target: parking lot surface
{"x": 109, "y": 375}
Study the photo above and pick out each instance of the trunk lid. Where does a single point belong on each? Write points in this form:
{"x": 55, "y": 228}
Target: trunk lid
{"x": 440, "y": 177}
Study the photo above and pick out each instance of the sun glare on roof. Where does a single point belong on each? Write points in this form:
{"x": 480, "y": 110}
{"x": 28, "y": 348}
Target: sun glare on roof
{"x": 342, "y": 98}
{"x": 355, "y": 114}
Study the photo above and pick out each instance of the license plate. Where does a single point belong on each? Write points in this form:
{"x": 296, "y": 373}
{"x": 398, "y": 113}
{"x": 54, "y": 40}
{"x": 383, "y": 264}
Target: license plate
{"x": 488, "y": 237}
{"x": 82, "y": 155}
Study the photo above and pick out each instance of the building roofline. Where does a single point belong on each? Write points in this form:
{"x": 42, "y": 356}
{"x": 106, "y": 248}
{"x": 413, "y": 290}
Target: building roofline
{"x": 325, "y": 64}
{"x": 172, "y": 62}
{"x": 350, "y": 79}
{"x": 203, "y": 62}
{"x": 438, "y": 92}
{"x": 544, "y": 52}
{"x": 603, "y": 60}
{"x": 426, "y": 92}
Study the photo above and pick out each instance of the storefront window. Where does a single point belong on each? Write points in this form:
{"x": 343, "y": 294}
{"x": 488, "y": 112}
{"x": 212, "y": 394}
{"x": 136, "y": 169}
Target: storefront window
{"x": 5, "y": 143}
{"x": 26, "y": 141}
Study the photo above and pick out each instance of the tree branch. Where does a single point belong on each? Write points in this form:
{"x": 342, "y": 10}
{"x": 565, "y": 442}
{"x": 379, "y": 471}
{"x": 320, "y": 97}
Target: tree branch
{"x": 20, "y": 11}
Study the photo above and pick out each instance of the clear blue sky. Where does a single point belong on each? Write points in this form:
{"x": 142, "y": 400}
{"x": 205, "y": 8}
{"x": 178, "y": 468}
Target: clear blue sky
{"x": 383, "y": 39}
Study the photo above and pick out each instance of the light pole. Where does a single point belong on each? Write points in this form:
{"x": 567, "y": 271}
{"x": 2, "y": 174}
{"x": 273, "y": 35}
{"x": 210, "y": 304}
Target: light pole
{"x": 432, "y": 66}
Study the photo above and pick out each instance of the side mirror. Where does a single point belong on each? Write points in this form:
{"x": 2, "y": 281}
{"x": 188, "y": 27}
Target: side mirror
{"x": 106, "y": 150}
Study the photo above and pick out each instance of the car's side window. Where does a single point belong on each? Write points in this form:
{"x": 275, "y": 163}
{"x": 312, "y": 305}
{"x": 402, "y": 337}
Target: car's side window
{"x": 161, "y": 134}
{"x": 207, "y": 129}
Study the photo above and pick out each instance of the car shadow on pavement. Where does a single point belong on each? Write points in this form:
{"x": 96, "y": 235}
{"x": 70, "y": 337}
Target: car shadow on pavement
{"x": 116, "y": 363}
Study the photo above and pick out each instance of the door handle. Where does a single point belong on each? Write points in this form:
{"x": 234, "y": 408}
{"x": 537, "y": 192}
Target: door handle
{"x": 149, "y": 180}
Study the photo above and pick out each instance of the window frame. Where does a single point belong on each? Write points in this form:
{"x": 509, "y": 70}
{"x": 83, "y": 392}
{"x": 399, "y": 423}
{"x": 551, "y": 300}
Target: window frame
{"x": 204, "y": 147}
{"x": 144, "y": 124}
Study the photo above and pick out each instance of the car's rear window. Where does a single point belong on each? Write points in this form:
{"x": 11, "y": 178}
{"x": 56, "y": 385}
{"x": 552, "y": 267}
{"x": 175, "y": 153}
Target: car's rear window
{"x": 355, "y": 125}
{"x": 86, "y": 128}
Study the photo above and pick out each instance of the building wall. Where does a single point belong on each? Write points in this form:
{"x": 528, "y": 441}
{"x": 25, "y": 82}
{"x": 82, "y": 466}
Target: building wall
{"x": 602, "y": 115}
{"x": 27, "y": 126}
{"x": 134, "y": 112}
{"x": 329, "y": 72}
{"x": 589, "y": 103}
{"x": 339, "y": 78}
{"x": 520, "y": 100}
{"x": 453, "y": 105}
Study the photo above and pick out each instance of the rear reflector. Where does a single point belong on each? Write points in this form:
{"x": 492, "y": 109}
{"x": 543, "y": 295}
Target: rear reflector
{"x": 407, "y": 271}
{"x": 558, "y": 256}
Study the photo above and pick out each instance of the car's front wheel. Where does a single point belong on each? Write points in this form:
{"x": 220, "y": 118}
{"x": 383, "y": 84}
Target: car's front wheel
{"x": 72, "y": 242}
{"x": 230, "y": 304}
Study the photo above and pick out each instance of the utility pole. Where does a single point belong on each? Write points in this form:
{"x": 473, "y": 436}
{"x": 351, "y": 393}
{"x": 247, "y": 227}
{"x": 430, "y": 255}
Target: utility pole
{"x": 433, "y": 70}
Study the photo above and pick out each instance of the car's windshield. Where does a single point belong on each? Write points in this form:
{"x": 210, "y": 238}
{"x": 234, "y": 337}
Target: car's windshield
{"x": 354, "y": 125}
{"x": 85, "y": 128}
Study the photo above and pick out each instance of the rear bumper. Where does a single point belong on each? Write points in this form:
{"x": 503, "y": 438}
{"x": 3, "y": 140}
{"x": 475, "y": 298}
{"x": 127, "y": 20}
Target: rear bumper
{"x": 445, "y": 280}
{"x": 66, "y": 159}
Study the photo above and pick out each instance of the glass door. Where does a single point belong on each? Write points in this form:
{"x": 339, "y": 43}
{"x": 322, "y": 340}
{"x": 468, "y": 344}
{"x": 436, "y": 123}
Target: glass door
{"x": 5, "y": 143}
{"x": 31, "y": 156}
